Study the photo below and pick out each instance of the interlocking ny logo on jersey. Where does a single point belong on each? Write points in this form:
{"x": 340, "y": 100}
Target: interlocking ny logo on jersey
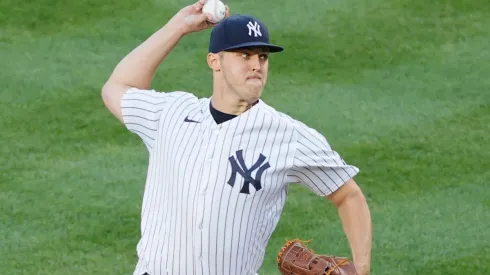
{"x": 255, "y": 27}
{"x": 241, "y": 168}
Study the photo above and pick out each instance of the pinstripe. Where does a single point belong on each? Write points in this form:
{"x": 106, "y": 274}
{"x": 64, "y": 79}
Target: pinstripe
{"x": 142, "y": 125}
{"x": 146, "y": 101}
{"x": 228, "y": 204}
{"x": 184, "y": 194}
{"x": 256, "y": 217}
{"x": 198, "y": 190}
{"x": 194, "y": 177}
{"x": 194, "y": 218}
{"x": 184, "y": 188}
{"x": 219, "y": 208}
{"x": 146, "y": 136}
{"x": 312, "y": 152}
{"x": 186, "y": 205}
{"x": 255, "y": 156}
{"x": 312, "y": 174}
{"x": 183, "y": 213}
{"x": 141, "y": 117}
{"x": 265, "y": 222}
{"x": 249, "y": 230}
{"x": 145, "y": 94}
{"x": 155, "y": 232}
{"x": 150, "y": 174}
{"x": 155, "y": 203}
{"x": 307, "y": 166}
{"x": 170, "y": 186}
{"x": 277, "y": 194}
{"x": 307, "y": 180}
{"x": 149, "y": 205}
{"x": 283, "y": 192}
{"x": 323, "y": 145}
{"x": 143, "y": 109}
{"x": 261, "y": 202}
{"x": 152, "y": 94}
{"x": 236, "y": 203}
{"x": 185, "y": 140}
{"x": 174, "y": 179}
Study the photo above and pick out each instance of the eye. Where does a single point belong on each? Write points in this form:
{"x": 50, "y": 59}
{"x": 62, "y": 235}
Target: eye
{"x": 264, "y": 56}
{"x": 245, "y": 55}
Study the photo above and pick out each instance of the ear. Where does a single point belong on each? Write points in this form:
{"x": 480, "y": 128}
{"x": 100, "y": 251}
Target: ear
{"x": 214, "y": 62}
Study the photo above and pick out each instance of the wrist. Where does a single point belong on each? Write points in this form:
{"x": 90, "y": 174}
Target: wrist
{"x": 176, "y": 29}
{"x": 362, "y": 269}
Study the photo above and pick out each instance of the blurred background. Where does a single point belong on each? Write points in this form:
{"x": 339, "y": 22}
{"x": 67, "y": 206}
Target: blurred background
{"x": 400, "y": 88}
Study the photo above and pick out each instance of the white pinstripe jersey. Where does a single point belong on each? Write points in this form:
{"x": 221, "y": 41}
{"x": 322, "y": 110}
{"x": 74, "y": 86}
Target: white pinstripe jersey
{"x": 214, "y": 192}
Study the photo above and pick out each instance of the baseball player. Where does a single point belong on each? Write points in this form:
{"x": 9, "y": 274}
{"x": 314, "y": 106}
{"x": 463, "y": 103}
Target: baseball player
{"x": 220, "y": 167}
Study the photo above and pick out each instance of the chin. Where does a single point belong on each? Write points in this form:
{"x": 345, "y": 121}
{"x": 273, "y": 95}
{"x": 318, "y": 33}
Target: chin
{"x": 254, "y": 94}
{"x": 250, "y": 98}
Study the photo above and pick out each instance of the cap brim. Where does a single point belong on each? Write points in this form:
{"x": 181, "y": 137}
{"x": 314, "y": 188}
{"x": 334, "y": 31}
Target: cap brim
{"x": 272, "y": 48}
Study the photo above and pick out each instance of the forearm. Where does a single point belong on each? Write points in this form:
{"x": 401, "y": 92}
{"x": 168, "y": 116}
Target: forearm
{"x": 356, "y": 220}
{"x": 138, "y": 68}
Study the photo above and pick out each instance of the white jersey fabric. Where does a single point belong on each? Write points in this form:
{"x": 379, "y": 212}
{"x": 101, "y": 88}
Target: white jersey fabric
{"x": 214, "y": 193}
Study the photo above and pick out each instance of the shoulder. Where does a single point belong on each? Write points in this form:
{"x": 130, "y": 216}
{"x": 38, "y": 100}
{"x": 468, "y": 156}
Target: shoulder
{"x": 159, "y": 96}
{"x": 282, "y": 117}
{"x": 276, "y": 115}
{"x": 302, "y": 133}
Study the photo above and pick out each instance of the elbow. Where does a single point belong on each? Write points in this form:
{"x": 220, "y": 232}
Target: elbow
{"x": 354, "y": 197}
{"x": 359, "y": 197}
{"x": 104, "y": 89}
{"x": 348, "y": 193}
{"x": 104, "y": 93}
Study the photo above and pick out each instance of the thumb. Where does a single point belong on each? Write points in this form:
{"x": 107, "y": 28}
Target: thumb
{"x": 206, "y": 17}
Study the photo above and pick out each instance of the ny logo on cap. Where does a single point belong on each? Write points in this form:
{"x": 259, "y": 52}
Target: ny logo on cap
{"x": 255, "y": 28}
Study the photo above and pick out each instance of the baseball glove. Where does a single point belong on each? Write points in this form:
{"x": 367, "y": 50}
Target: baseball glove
{"x": 295, "y": 258}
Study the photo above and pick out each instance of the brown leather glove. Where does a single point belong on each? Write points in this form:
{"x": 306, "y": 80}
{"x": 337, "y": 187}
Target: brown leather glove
{"x": 296, "y": 259}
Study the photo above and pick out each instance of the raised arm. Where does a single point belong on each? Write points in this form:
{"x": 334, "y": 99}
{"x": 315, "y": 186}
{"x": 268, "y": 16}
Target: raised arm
{"x": 139, "y": 66}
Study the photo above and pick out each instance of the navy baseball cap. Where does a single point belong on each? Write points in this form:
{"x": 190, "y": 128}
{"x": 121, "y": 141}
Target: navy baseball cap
{"x": 240, "y": 31}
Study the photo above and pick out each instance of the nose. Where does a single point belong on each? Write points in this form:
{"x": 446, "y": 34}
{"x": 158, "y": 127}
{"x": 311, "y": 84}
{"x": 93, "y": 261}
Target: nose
{"x": 255, "y": 63}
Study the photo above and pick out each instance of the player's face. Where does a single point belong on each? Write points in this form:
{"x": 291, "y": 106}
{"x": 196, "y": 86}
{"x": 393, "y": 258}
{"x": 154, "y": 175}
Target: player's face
{"x": 245, "y": 72}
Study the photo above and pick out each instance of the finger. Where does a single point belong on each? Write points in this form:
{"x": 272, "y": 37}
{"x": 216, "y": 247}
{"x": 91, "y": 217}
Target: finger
{"x": 199, "y": 4}
{"x": 227, "y": 13}
{"x": 205, "y": 16}
{"x": 211, "y": 24}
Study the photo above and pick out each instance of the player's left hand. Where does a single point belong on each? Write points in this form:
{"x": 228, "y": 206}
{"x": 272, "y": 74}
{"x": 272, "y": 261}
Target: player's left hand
{"x": 295, "y": 258}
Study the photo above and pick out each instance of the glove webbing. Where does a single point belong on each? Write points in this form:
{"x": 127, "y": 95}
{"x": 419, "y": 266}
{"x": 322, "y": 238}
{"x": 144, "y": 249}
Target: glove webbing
{"x": 288, "y": 243}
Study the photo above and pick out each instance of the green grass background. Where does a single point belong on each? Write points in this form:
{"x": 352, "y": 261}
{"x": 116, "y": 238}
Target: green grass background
{"x": 400, "y": 88}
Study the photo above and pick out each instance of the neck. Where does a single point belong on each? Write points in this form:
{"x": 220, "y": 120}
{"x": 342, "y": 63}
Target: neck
{"x": 229, "y": 106}
{"x": 226, "y": 101}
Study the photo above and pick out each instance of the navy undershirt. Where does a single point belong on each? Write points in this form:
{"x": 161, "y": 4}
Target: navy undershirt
{"x": 219, "y": 116}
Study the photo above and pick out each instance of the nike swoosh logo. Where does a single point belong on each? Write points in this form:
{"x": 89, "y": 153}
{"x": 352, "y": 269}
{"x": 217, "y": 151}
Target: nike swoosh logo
{"x": 190, "y": 120}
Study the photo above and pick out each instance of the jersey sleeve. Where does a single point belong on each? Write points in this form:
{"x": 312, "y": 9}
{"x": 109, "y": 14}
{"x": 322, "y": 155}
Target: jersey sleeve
{"x": 141, "y": 110}
{"x": 316, "y": 165}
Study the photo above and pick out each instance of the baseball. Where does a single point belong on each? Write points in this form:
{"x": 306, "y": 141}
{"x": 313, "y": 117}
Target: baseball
{"x": 216, "y": 9}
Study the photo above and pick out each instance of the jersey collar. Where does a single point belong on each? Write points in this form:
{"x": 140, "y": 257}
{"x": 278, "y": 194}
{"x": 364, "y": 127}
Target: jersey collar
{"x": 208, "y": 120}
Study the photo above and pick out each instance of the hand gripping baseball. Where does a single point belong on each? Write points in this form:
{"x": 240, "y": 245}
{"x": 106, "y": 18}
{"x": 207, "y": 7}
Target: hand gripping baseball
{"x": 192, "y": 19}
